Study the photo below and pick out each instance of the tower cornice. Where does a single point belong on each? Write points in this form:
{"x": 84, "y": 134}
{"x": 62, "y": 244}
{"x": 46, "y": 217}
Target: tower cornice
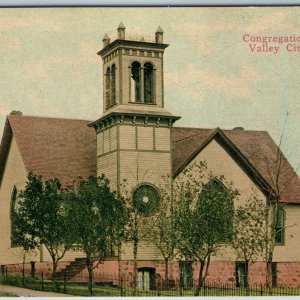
{"x": 129, "y": 43}
{"x": 133, "y": 118}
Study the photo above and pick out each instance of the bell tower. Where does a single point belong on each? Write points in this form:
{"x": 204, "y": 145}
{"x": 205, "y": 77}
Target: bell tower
{"x": 134, "y": 131}
{"x": 132, "y": 71}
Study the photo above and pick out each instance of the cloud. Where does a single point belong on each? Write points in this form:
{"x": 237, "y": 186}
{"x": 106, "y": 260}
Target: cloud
{"x": 36, "y": 104}
{"x": 203, "y": 36}
{"x": 270, "y": 21}
{"x": 17, "y": 21}
{"x": 41, "y": 68}
{"x": 5, "y": 109}
{"x": 195, "y": 81}
{"x": 10, "y": 42}
{"x": 38, "y": 70}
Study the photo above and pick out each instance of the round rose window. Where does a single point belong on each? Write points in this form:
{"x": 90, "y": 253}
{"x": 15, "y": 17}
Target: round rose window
{"x": 145, "y": 198}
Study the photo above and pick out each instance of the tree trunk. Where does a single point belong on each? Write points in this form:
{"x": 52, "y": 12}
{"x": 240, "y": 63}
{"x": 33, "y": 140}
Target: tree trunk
{"x": 200, "y": 278}
{"x": 271, "y": 247}
{"x": 119, "y": 263}
{"x": 269, "y": 274}
{"x": 54, "y": 266}
{"x": 166, "y": 270}
{"x": 206, "y": 269}
{"x": 89, "y": 265}
{"x": 246, "y": 276}
{"x": 135, "y": 271}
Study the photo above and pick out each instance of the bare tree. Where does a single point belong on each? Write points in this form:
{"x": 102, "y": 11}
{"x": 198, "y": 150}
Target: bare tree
{"x": 279, "y": 180}
{"x": 162, "y": 233}
{"x": 249, "y": 231}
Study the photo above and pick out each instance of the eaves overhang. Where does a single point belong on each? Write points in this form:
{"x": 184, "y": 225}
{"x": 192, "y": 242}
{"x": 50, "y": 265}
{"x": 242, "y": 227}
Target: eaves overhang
{"x": 4, "y": 147}
{"x": 237, "y": 155}
{"x": 114, "y": 117}
{"x": 129, "y": 43}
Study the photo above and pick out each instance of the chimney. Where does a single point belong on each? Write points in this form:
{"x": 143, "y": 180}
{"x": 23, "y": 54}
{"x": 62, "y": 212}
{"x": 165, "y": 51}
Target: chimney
{"x": 159, "y": 35}
{"x": 238, "y": 128}
{"x": 121, "y": 31}
{"x": 106, "y": 40}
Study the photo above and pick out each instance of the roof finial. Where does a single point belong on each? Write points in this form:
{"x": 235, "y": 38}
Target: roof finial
{"x": 106, "y": 40}
{"x": 159, "y": 35}
{"x": 121, "y": 26}
{"x": 159, "y": 30}
{"x": 121, "y": 31}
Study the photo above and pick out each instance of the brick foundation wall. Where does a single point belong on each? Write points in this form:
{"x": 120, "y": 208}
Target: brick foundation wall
{"x": 288, "y": 274}
{"x": 220, "y": 272}
{"x": 40, "y": 267}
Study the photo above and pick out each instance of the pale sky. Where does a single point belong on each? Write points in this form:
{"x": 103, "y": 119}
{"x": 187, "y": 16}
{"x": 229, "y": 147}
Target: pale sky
{"x": 49, "y": 65}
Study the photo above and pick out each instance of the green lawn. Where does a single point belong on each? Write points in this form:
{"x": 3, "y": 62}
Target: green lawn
{"x": 7, "y": 295}
{"x": 82, "y": 290}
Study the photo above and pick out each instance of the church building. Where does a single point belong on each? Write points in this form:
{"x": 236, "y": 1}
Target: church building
{"x": 137, "y": 139}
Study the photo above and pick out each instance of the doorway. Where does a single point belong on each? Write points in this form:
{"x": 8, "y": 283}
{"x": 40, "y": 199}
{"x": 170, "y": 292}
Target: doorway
{"x": 240, "y": 274}
{"x": 186, "y": 274}
{"x": 146, "y": 278}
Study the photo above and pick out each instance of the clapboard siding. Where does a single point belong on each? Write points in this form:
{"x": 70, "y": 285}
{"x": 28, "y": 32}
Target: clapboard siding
{"x": 106, "y": 165}
{"x": 162, "y": 139}
{"x": 145, "y": 138}
{"x": 14, "y": 175}
{"x": 139, "y": 167}
{"x": 146, "y": 251}
{"x": 127, "y": 137}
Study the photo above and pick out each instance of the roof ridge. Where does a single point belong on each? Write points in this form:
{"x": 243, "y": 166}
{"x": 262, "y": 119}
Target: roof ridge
{"x": 223, "y": 129}
{"x": 47, "y": 117}
{"x": 192, "y": 127}
{"x": 189, "y": 137}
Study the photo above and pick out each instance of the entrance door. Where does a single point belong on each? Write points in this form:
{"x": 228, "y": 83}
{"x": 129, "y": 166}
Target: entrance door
{"x": 146, "y": 278}
{"x": 240, "y": 268}
{"x": 186, "y": 274}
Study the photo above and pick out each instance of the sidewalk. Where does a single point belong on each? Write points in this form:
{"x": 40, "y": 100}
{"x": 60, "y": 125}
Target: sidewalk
{"x": 29, "y": 293}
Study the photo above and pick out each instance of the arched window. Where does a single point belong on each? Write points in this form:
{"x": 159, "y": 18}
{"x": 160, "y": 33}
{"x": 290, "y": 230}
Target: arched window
{"x": 279, "y": 228}
{"x": 148, "y": 83}
{"x": 215, "y": 201}
{"x": 136, "y": 82}
{"x": 113, "y": 85}
{"x": 107, "y": 88}
{"x": 13, "y": 211}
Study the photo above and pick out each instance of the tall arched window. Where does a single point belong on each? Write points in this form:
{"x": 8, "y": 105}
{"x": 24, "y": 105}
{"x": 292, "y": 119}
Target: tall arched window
{"x": 219, "y": 217}
{"x": 113, "y": 85}
{"x": 148, "y": 83}
{"x": 107, "y": 88}
{"x": 279, "y": 228}
{"x": 136, "y": 82}
{"x": 13, "y": 211}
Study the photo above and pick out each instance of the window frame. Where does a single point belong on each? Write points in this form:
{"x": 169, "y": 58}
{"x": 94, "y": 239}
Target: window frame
{"x": 140, "y": 97}
{"x": 13, "y": 201}
{"x": 148, "y": 67}
{"x": 280, "y": 230}
{"x": 217, "y": 181}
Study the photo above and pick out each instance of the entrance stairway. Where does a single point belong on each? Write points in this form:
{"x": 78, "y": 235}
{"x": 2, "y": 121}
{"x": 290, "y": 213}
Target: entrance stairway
{"x": 71, "y": 270}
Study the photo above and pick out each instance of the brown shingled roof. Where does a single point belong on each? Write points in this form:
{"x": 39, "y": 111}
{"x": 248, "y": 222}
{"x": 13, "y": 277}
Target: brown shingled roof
{"x": 66, "y": 149}
{"x": 54, "y": 147}
{"x": 254, "y": 147}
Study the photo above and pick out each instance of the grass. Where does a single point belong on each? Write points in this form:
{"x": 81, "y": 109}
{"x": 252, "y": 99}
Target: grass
{"x": 81, "y": 289}
{"x": 5, "y": 294}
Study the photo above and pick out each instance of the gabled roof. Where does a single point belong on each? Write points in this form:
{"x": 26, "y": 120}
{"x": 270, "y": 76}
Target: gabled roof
{"x": 66, "y": 149}
{"x": 255, "y": 151}
{"x": 51, "y": 147}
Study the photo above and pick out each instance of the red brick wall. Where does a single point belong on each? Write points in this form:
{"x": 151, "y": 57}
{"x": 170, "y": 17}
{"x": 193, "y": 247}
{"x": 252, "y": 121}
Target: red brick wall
{"x": 40, "y": 267}
{"x": 288, "y": 273}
